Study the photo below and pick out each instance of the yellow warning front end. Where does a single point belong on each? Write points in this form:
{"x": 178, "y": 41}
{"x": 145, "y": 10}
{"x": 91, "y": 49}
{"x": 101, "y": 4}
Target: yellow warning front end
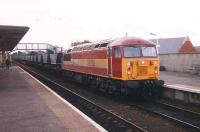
{"x": 140, "y": 68}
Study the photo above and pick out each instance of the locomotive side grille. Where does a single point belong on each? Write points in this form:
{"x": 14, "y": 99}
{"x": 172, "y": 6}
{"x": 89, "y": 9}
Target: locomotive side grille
{"x": 142, "y": 70}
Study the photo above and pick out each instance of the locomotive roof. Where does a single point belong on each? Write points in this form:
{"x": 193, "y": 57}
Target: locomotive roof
{"x": 130, "y": 40}
{"x": 112, "y": 42}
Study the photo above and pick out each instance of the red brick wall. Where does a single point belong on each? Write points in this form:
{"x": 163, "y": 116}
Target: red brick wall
{"x": 187, "y": 48}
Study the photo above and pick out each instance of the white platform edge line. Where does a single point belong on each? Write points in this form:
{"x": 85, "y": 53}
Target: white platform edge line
{"x": 100, "y": 128}
{"x": 182, "y": 88}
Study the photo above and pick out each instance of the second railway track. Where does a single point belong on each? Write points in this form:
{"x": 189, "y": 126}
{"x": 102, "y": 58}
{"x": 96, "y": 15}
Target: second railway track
{"x": 180, "y": 115}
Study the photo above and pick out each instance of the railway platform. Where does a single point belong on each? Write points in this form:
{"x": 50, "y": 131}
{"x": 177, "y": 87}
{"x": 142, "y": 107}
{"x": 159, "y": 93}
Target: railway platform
{"x": 184, "y": 81}
{"x": 27, "y": 105}
{"x": 181, "y": 86}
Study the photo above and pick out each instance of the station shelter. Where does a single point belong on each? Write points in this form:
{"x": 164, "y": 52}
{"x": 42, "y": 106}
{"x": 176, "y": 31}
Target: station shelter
{"x": 9, "y": 38}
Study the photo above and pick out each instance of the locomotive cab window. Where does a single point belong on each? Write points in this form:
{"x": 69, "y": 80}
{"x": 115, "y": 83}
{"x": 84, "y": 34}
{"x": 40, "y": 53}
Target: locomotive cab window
{"x": 149, "y": 51}
{"x": 117, "y": 52}
{"x": 130, "y": 51}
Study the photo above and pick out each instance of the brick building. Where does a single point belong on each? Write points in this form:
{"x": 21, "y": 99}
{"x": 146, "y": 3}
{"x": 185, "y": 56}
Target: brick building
{"x": 175, "y": 45}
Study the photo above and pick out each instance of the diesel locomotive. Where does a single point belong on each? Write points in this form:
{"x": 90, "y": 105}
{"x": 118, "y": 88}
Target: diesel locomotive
{"x": 126, "y": 65}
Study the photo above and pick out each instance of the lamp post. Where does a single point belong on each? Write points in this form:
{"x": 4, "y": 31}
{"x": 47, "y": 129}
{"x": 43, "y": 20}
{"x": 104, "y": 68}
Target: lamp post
{"x": 153, "y": 34}
{"x": 157, "y": 43}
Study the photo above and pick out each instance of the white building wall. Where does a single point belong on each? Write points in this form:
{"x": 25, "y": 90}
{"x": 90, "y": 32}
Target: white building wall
{"x": 179, "y": 62}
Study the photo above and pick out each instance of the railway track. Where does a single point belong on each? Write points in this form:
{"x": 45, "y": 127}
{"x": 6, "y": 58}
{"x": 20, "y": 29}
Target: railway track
{"x": 179, "y": 108}
{"x": 105, "y": 118}
{"x": 181, "y": 116}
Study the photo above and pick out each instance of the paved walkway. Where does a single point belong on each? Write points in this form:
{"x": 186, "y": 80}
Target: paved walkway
{"x": 27, "y": 106}
{"x": 187, "y": 81}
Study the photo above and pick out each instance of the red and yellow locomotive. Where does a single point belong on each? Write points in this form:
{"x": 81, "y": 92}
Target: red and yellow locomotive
{"x": 116, "y": 66}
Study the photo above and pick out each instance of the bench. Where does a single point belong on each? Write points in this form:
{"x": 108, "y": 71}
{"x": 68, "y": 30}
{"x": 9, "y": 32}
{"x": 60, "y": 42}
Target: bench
{"x": 195, "y": 68}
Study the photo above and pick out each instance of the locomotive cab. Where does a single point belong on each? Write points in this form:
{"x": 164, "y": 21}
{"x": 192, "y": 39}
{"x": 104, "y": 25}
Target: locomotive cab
{"x": 136, "y": 63}
{"x": 133, "y": 62}
{"x": 140, "y": 62}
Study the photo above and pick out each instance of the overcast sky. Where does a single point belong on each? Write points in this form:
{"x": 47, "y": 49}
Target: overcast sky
{"x": 61, "y": 22}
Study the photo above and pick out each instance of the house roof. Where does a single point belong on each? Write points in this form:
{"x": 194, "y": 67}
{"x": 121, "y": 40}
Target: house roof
{"x": 10, "y": 36}
{"x": 169, "y": 45}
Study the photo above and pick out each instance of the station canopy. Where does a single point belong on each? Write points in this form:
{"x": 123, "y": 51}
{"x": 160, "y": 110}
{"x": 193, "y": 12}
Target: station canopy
{"x": 10, "y": 36}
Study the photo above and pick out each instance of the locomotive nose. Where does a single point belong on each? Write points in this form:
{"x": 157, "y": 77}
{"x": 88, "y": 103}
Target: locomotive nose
{"x": 142, "y": 69}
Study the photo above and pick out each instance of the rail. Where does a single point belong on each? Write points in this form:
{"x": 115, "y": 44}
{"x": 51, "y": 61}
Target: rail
{"x": 179, "y": 115}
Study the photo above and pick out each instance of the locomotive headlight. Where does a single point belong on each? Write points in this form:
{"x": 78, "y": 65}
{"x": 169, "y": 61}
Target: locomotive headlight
{"x": 142, "y": 62}
{"x": 155, "y": 63}
{"x": 155, "y": 70}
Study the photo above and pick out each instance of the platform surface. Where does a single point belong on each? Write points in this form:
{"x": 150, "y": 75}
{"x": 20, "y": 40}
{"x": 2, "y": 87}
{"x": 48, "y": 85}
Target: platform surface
{"x": 182, "y": 81}
{"x": 26, "y": 105}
